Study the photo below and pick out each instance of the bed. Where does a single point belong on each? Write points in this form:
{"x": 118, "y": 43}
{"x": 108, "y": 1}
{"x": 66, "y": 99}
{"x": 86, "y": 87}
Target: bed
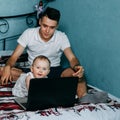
{"x": 10, "y": 110}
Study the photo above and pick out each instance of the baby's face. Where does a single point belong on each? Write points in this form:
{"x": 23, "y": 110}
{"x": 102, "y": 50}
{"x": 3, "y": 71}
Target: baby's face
{"x": 40, "y": 68}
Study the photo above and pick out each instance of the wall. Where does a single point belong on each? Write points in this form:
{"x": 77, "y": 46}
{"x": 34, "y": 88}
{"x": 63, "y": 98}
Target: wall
{"x": 93, "y": 27}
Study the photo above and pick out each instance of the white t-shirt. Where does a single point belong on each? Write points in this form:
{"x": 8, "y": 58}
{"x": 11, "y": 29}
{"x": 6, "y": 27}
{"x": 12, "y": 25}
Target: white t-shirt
{"x": 52, "y": 49}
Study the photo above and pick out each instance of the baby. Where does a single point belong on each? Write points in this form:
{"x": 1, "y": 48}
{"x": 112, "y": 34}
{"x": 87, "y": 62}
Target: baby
{"x": 39, "y": 69}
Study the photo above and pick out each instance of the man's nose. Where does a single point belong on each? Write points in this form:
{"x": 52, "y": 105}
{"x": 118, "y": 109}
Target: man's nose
{"x": 48, "y": 29}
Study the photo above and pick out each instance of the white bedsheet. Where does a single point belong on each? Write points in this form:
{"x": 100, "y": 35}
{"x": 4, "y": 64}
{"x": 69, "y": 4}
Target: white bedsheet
{"x": 102, "y": 111}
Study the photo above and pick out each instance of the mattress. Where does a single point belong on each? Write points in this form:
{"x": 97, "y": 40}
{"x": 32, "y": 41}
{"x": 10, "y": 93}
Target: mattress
{"x": 89, "y": 111}
{"x": 9, "y": 109}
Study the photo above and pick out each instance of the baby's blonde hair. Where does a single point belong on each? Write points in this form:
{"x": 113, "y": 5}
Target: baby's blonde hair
{"x": 41, "y": 57}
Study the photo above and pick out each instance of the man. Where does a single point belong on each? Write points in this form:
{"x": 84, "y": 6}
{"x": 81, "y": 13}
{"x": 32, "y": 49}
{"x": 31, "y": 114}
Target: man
{"x": 46, "y": 40}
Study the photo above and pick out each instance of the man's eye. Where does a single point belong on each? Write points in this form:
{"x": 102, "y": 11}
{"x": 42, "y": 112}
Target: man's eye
{"x": 44, "y": 25}
{"x": 52, "y": 27}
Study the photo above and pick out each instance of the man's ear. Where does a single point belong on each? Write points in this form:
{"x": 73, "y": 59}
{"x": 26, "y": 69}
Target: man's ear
{"x": 57, "y": 26}
{"x": 40, "y": 22}
{"x": 31, "y": 68}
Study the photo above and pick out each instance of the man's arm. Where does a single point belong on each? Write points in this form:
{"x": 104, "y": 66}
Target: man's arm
{"x": 71, "y": 57}
{"x": 15, "y": 55}
{"x": 10, "y": 63}
{"x": 74, "y": 62}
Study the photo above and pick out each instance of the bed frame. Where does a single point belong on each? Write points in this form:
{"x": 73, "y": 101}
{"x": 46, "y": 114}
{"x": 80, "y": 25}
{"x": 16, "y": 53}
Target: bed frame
{"x": 5, "y": 27}
{"x": 5, "y": 35}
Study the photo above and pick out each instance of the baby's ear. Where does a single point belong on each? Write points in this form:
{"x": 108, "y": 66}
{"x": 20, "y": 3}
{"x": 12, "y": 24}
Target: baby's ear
{"x": 48, "y": 71}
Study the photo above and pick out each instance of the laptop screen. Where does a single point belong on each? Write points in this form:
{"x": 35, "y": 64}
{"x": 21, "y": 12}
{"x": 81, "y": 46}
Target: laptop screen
{"x": 51, "y": 92}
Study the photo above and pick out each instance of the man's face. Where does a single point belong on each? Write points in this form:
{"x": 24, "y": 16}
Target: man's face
{"x": 47, "y": 28}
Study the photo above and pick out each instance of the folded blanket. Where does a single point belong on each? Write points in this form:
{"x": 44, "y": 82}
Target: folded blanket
{"x": 94, "y": 96}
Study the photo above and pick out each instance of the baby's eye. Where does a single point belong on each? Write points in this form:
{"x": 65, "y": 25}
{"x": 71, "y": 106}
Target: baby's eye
{"x": 37, "y": 67}
{"x": 44, "y": 69}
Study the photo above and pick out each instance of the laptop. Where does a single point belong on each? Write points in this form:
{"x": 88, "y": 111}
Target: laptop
{"x": 47, "y": 93}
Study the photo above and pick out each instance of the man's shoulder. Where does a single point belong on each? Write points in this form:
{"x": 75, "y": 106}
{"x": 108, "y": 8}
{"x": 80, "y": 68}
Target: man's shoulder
{"x": 58, "y": 32}
{"x": 31, "y": 30}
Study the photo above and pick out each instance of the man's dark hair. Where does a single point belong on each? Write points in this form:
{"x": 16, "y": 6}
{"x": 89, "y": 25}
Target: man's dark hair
{"x": 51, "y": 13}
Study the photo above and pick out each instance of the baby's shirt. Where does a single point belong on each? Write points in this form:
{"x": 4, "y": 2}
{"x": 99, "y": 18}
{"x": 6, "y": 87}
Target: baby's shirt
{"x": 20, "y": 89}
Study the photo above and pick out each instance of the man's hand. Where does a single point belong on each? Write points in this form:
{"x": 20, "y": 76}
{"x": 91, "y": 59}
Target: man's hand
{"x": 5, "y": 76}
{"x": 79, "y": 71}
{"x": 9, "y": 74}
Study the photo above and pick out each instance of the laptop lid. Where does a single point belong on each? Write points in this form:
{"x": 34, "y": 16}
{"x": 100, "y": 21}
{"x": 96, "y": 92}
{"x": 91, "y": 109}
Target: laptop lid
{"x": 22, "y": 101}
{"x": 51, "y": 92}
